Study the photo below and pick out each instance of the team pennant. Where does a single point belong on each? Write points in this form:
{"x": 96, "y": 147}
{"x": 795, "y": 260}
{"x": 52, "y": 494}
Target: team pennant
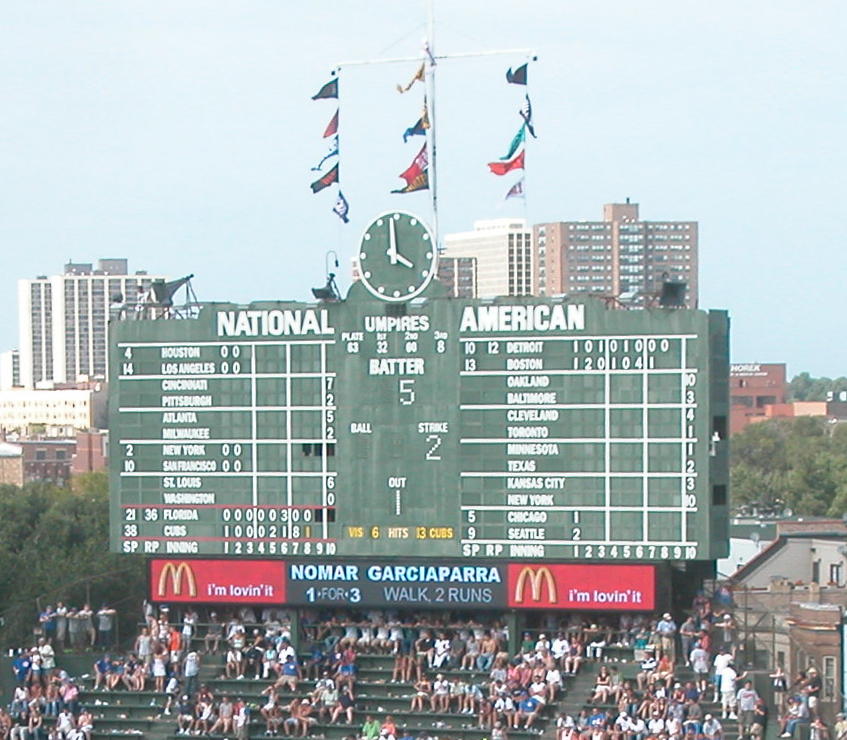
{"x": 419, "y": 128}
{"x": 341, "y": 207}
{"x": 330, "y": 90}
{"x": 501, "y": 168}
{"x": 332, "y": 126}
{"x": 516, "y": 191}
{"x": 519, "y": 139}
{"x": 418, "y": 77}
{"x": 419, "y": 182}
{"x": 333, "y": 152}
{"x": 418, "y": 166}
{"x": 518, "y": 77}
{"x": 324, "y": 181}
{"x": 526, "y": 114}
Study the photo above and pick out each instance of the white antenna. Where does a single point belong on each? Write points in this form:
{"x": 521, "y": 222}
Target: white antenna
{"x": 430, "y": 58}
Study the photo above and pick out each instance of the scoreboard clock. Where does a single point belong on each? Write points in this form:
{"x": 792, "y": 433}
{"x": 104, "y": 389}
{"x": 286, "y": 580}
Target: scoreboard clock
{"x": 379, "y": 426}
{"x": 397, "y": 257}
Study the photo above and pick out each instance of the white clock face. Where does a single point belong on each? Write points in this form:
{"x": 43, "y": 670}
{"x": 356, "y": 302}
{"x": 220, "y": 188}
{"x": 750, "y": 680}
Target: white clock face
{"x": 398, "y": 257}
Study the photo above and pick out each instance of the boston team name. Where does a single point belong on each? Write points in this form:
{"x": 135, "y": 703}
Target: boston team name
{"x": 555, "y": 317}
{"x": 272, "y": 323}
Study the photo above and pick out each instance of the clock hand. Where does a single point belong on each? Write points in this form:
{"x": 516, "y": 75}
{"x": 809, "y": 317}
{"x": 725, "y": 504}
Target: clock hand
{"x": 402, "y": 260}
{"x": 393, "y": 255}
{"x": 392, "y": 243}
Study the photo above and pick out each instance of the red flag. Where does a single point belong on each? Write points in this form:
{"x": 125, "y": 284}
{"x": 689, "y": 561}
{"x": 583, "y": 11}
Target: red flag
{"x": 501, "y": 168}
{"x": 419, "y": 164}
{"x": 324, "y": 181}
{"x": 332, "y": 127}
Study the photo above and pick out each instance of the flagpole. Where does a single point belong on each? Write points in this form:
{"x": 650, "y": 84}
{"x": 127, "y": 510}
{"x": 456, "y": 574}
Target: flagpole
{"x": 431, "y": 105}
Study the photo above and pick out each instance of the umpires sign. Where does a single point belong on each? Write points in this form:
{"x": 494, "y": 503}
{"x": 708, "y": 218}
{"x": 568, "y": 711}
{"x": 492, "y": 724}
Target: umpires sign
{"x": 405, "y": 583}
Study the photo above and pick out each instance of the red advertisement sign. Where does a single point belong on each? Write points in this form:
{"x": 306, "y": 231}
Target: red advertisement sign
{"x": 589, "y": 587}
{"x": 186, "y": 581}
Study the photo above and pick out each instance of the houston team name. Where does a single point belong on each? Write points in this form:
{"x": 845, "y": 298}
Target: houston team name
{"x": 274, "y": 322}
{"x": 555, "y": 317}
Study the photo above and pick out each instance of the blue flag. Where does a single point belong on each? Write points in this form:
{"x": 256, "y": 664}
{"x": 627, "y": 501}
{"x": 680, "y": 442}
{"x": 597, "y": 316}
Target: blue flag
{"x": 341, "y": 207}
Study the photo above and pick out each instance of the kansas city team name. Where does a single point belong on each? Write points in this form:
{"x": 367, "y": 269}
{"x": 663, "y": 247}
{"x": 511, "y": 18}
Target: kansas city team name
{"x": 555, "y": 317}
{"x": 274, "y": 323}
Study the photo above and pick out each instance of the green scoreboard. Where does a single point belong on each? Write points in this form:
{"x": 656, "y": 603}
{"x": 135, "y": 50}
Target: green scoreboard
{"x": 515, "y": 428}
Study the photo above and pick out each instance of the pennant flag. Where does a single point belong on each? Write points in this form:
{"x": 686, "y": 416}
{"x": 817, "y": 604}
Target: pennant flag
{"x": 526, "y": 114}
{"x": 519, "y": 139}
{"x": 516, "y": 191}
{"x": 333, "y": 152}
{"x": 324, "y": 181}
{"x": 418, "y": 77}
{"x": 418, "y": 166}
{"x": 341, "y": 207}
{"x": 419, "y": 128}
{"x": 332, "y": 126}
{"x": 501, "y": 168}
{"x": 419, "y": 182}
{"x": 428, "y": 52}
{"x": 330, "y": 90}
{"x": 518, "y": 77}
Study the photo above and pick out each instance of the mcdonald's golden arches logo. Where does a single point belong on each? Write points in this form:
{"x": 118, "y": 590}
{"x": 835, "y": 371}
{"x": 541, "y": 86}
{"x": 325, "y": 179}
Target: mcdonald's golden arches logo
{"x": 176, "y": 572}
{"x": 537, "y": 578}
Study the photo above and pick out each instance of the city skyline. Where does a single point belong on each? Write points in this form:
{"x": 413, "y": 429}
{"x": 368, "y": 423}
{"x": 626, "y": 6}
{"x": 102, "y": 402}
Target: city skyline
{"x": 182, "y": 138}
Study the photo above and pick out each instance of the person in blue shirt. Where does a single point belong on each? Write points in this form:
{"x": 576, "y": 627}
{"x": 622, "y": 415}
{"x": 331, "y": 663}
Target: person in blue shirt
{"x": 528, "y": 709}
{"x": 101, "y": 672}
{"x": 21, "y": 667}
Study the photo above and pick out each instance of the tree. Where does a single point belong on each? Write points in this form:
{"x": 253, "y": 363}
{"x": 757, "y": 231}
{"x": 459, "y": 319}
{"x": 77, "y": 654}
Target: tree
{"x": 54, "y": 545}
{"x": 804, "y": 387}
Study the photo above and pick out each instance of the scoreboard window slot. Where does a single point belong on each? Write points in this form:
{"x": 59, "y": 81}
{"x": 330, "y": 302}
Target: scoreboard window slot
{"x": 307, "y": 489}
{"x": 271, "y": 424}
{"x": 307, "y": 457}
{"x": 582, "y": 457}
{"x": 626, "y": 492}
{"x": 271, "y": 392}
{"x": 664, "y": 526}
{"x": 586, "y": 492}
{"x": 591, "y": 525}
{"x": 306, "y": 425}
{"x": 664, "y": 457}
{"x": 664, "y": 423}
{"x": 307, "y": 392}
{"x": 584, "y": 388}
{"x": 626, "y": 526}
{"x": 271, "y": 491}
{"x": 664, "y": 492}
{"x": 626, "y": 423}
{"x": 469, "y": 395}
{"x": 272, "y": 458}
{"x": 327, "y": 514}
{"x": 305, "y": 358}
{"x": 579, "y": 423}
{"x": 719, "y": 495}
{"x": 668, "y": 353}
{"x": 626, "y": 388}
{"x": 664, "y": 388}
{"x": 233, "y": 425}
{"x": 626, "y": 458}
{"x": 270, "y": 358}
{"x": 472, "y": 486}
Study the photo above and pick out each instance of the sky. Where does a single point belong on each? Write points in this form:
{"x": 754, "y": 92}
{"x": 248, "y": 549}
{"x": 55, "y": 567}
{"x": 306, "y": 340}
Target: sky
{"x": 181, "y": 133}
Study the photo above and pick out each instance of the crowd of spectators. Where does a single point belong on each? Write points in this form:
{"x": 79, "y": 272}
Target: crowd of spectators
{"x": 75, "y": 628}
{"x": 45, "y": 704}
{"x": 454, "y": 664}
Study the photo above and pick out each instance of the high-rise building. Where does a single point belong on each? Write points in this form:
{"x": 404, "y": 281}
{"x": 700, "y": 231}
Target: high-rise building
{"x": 10, "y": 369}
{"x": 458, "y": 274}
{"x": 63, "y": 319}
{"x": 503, "y": 252}
{"x": 619, "y": 256}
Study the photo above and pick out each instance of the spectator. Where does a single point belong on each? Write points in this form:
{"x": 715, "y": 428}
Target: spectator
{"x": 813, "y": 690}
{"x": 666, "y": 629}
{"x": 370, "y": 729}
{"x": 214, "y": 633}
{"x": 746, "y": 699}
{"x": 712, "y": 729}
{"x": 105, "y": 626}
{"x": 759, "y": 727}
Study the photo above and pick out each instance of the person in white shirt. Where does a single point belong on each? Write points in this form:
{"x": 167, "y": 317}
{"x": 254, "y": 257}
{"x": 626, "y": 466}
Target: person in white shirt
{"x": 441, "y": 652}
{"x": 656, "y": 724}
{"x": 721, "y": 661}
{"x": 728, "y": 688}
